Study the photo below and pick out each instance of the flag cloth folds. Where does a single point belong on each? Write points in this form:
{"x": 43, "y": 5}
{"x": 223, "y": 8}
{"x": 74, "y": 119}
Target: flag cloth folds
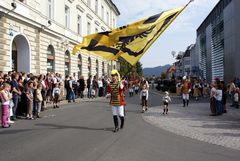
{"x": 131, "y": 41}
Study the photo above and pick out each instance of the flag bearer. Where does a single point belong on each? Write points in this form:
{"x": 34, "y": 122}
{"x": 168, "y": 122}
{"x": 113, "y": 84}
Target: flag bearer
{"x": 115, "y": 90}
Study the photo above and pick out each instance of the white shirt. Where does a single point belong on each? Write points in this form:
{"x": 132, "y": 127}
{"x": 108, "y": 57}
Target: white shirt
{"x": 236, "y": 97}
{"x": 100, "y": 83}
{"x": 144, "y": 92}
{"x": 56, "y": 90}
{"x": 166, "y": 98}
{"x": 218, "y": 95}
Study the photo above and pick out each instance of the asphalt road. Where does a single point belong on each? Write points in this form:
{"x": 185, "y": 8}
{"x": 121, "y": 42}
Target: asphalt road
{"x": 82, "y": 132}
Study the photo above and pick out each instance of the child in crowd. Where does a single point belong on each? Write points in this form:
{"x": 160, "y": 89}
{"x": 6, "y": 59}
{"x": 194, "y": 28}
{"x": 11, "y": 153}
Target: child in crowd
{"x": 6, "y": 96}
{"x": 144, "y": 98}
{"x": 38, "y": 100}
{"x": 236, "y": 98}
{"x": 55, "y": 94}
{"x": 166, "y": 100}
{"x": 29, "y": 95}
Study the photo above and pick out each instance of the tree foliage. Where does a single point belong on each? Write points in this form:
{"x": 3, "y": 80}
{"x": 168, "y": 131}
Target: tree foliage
{"x": 128, "y": 70}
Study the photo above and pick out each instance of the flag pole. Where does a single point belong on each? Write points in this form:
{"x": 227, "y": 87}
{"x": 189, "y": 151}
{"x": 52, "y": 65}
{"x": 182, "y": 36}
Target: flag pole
{"x": 188, "y": 3}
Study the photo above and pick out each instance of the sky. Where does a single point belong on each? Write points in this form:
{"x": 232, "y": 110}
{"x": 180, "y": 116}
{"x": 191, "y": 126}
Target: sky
{"x": 177, "y": 37}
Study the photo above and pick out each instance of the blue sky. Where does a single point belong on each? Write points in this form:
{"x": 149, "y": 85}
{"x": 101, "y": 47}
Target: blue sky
{"x": 180, "y": 34}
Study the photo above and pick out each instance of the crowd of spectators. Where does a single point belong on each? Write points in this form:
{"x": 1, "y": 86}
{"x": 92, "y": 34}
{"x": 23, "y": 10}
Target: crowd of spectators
{"x": 26, "y": 95}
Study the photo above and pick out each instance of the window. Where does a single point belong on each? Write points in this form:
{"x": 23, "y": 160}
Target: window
{"x": 50, "y": 59}
{"x": 67, "y": 17}
{"x": 67, "y": 62}
{"x": 107, "y": 18}
{"x": 96, "y": 6}
{"x": 97, "y": 72}
{"x": 79, "y": 25}
{"x": 103, "y": 71}
{"x": 102, "y": 12}
{"x": 88, "y": 28}
{"x": 50, "y": 8}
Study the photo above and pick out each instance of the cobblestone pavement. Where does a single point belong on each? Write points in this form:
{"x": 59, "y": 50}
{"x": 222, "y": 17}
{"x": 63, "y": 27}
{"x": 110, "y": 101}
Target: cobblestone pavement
{"x": 194, "y": 122}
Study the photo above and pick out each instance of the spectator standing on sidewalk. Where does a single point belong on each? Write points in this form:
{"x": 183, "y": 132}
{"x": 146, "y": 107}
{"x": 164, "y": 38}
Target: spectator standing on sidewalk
{"x": 224, "y": 96}
{"x": 166, "y": 99}
{"x": 38, "y": 100}
{"x": 236, "y": 98}
{"x": 81, "y": 86}
{"x": 29, "y": 95}
{"x": 218, "y": 97}
{"x": 6, "y": 96}
{"x": 89, "y": 86}
{"x": 56, "y": 94}
{"x": 100, "y": 86}
{"x": 71, "y": 95}
{"x": 144, "y": 98}
{"x": 231, "y": 91}
{"x": 213, "y": 100}
{"x": 16, "y": 94}
{"x": 66, "y": 85}
{"x": 115, "y": 90}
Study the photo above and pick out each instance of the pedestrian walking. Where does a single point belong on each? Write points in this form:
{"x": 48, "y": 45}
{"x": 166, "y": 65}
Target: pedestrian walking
{"x": 185, "y": 89}
{"x": 166, "y": 99}
{"x": 115, "y": 90}
{"x": 144, "y": 98}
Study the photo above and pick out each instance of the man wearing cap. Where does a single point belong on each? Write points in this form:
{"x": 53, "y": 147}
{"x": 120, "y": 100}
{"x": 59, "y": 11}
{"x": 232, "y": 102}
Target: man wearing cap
{"x": 115, "y": 90}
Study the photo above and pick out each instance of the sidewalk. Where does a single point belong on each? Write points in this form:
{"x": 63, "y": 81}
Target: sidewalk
{"x": 194, "y": 122}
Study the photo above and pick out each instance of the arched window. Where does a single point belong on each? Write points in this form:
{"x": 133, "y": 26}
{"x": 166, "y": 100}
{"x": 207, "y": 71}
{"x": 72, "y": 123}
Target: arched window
{"x": 50, "y": 59}
{"x": 79, "y": 66}
{"x": 97, "y": 69}
{"x": 89, "y": 66}
{"x": 67, "y": 62}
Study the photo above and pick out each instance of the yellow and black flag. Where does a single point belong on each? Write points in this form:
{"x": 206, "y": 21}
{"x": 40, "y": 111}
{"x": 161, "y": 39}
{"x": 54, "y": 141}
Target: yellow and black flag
{"x": 129, "y": 42}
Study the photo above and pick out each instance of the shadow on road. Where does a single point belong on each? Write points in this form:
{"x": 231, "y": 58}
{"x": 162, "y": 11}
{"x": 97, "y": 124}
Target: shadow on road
{"x": 54, "y": 126}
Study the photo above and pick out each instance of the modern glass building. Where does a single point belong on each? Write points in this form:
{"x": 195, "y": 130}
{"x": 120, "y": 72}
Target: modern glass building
{"x": 218, "y": 42}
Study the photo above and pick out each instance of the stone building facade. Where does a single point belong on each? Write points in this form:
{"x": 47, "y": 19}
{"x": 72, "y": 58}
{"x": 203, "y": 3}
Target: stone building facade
{"x": 38, "y": 36}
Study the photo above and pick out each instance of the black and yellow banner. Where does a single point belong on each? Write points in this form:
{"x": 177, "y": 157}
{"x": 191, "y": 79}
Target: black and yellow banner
{"x": 129, "y": 42}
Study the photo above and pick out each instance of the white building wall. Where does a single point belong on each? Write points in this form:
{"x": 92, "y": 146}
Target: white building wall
{"x": 31, "y": 19}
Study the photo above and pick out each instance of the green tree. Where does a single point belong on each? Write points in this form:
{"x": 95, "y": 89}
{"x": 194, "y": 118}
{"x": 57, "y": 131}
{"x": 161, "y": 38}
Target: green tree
{"x": 128, "y": 70}
{"x": 163, "y": 75}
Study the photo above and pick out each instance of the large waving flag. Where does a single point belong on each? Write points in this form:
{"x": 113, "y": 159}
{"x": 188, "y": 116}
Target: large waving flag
{"x": 129, "y": 42}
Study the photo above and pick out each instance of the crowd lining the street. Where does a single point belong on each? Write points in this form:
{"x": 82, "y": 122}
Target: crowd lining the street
{"x": 26, "y": 95}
